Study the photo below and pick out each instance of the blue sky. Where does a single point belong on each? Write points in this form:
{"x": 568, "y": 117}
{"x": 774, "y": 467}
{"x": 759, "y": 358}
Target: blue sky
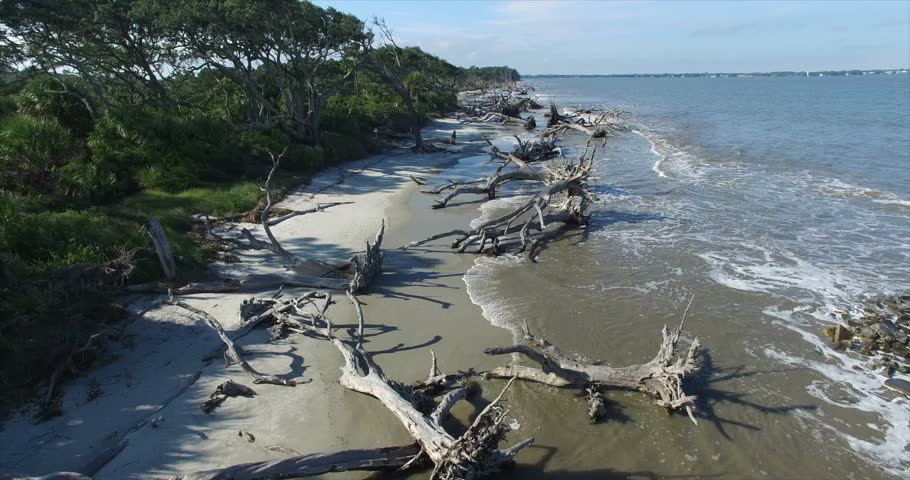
{"x": 602, "y": 37}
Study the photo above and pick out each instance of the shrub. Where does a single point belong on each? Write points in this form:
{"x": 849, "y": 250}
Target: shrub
{"x": 43, "y": 97}
{"x": 154, "y": 149}
{"x": 55, "y": 240}
{"x": 7, "y": 106}
{"x": 85, "y": 180}
{"x": 30, "y": 148}
{"x": 343, "y": 148}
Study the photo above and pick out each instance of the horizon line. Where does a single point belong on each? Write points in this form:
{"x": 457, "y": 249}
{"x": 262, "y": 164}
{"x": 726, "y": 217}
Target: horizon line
{"x": 843, "y": 70}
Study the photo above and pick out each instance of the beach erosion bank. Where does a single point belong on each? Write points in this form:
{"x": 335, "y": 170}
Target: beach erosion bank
{"x": 139, "y": 416}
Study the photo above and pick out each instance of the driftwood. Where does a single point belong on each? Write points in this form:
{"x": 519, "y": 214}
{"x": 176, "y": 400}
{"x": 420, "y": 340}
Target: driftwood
{"x": 301, "y": 266}
{"x": 222, "y": 392}
{"x": 368, "y": 266}
{"x": 660, "y": 378}
{"x": 355, "y": 274}
{"x": 535, "y": 150}
{"x": 567, "y": 181}
{"x": 597, "y": 122}
{"x": 296, "y": 213}
{"x": 473, "y": 454}
{"x": 503, "y": 119}
{"x": 162, "y": 248}
{"x": 68, "y": 365}
{"x": 231, "y": 354}
{"x": 488, "y": 185}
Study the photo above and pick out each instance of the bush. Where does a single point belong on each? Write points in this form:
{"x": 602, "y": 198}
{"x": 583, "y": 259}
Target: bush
{"x": 154, "y": 149}
{"x": 30, "y": 148}
{"x": 48, "y": 241}
{"x": 7, "y": 106}
{"x": 42, "y": 97}
{"x": 85, "y": 180}
{"x": 343, "y": 148}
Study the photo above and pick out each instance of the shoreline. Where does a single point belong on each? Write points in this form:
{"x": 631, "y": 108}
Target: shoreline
{"x": 156, "y": 380}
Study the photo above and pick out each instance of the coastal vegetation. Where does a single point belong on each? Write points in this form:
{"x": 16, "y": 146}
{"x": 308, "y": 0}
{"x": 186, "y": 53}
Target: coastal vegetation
{"x": 112, "y": 112}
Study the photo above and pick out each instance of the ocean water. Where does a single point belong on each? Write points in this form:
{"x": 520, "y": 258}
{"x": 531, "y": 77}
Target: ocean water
{"x": 775, "y": 202}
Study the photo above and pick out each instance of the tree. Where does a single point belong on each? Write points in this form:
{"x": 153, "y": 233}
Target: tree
{"x": 114, "y": 48}
{"x": 289, "y": 57}
{"x": 408, "y": 71}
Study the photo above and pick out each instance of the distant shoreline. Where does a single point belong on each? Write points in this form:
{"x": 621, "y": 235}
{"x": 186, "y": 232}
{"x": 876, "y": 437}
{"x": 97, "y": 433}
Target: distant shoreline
{"x": 822, "y": 73}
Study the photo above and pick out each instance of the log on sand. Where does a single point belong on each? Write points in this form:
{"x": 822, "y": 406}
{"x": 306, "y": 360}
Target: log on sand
{"x": 473, "y": 454}
{"x": 231, "y": 353}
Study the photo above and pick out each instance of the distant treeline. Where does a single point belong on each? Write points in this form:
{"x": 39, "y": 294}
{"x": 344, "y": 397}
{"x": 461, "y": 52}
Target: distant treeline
{"x": 111, "y": 110}
{"x": 825, "y": 73}
{"x": 492, "y": 74}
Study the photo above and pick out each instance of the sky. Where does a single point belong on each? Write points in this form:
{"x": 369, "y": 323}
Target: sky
{"x": 609, "y": 37}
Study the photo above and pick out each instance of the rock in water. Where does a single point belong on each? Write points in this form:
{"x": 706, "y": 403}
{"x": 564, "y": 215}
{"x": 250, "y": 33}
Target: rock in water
{"x": 898, "y": 385}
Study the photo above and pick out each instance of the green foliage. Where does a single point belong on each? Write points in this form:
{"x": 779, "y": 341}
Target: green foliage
{"x": 154, "y": 149}
{"x": 216, "y": 201}
{"x": 7, "y": 106}
{"x": 475, "y": 77}
{"x": 45, "y": 97}
{"x": 48, "y": 241}
{"x": 30, "y": 149}
{"x": 87, "y": 181}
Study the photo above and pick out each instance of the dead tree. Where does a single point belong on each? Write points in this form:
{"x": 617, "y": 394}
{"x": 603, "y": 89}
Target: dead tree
{"x": 488, "y": 185}
{"x": 535, "y": 150}
{"x": 596, "y": 122}
{"x": 301, "y": 266}
{"x": 231, "y": 354}
{"x": 503, "y": 119}
{"x": 162, "y": 248}
{"x": 565, "y": 182}
{"x": 473, "y": 454}
{"x": 661, "y": 378}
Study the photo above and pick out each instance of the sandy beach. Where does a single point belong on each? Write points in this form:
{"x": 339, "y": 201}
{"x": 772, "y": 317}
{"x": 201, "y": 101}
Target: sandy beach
{"x": 146, "y": 422}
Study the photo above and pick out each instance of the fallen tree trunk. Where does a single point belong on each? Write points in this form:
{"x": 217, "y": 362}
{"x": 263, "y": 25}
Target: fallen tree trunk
{"x": 231, "y": 354}
{"x": 594, "y": 122}
{"x": 490, "y": 184}
{"x": 373, "y": 459}
{"x": 503, "y": 119}
{"x": 312, "y": 273}
{"x": 567, "y": 181}
{"x": 162, "y": 248}
{"x": 536, "y": 150}
{"x": 296, "y": 213}
{"x": 301, "y": 266}
{"x": 473, "y": 454}
{"x": 660, "y": 378}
